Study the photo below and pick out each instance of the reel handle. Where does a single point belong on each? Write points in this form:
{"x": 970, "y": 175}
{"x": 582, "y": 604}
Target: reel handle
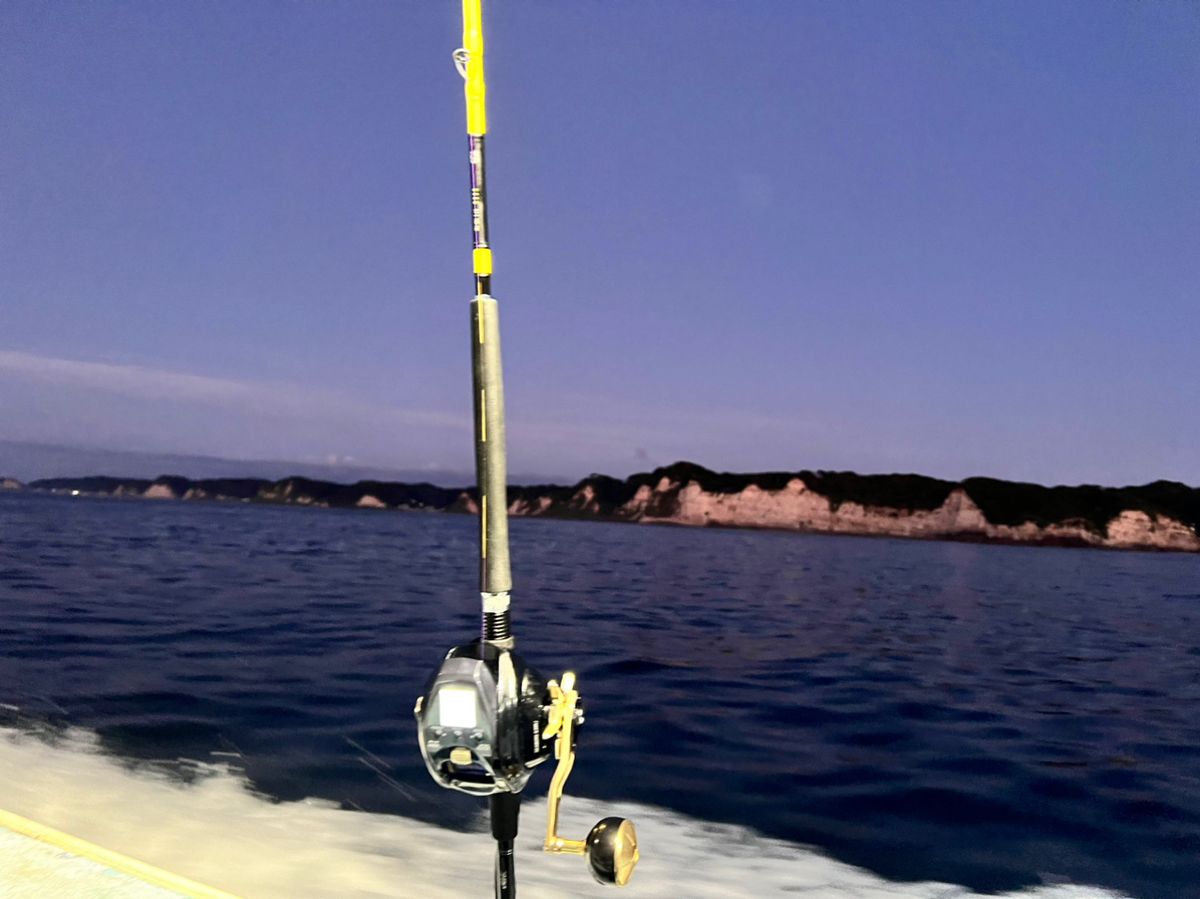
{"x": 611, "y": 847}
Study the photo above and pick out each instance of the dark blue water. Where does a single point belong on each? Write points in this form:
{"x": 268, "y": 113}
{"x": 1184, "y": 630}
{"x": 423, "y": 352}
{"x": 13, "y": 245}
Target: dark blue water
{"x": 991, "y": 716}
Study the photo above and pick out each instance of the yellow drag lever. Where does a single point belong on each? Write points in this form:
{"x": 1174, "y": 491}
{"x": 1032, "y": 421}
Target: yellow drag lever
{"x": 611, "y": 846}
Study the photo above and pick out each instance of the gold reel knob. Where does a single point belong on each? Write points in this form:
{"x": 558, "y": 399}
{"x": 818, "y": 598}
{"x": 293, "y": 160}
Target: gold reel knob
{"x": 612, "y": 850}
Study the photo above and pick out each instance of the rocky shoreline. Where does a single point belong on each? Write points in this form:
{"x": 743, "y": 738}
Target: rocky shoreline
{"x": 1163, "y": 515}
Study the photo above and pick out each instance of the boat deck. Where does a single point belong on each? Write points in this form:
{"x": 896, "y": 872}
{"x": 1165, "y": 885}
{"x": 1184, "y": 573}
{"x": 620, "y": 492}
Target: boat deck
{"x": 38, "y": 862}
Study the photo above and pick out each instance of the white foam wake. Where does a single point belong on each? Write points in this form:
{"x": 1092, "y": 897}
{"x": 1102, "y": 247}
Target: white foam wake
{"x": 217, "y": 831}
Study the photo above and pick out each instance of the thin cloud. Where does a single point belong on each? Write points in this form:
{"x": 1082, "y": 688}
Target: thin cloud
{"x": 252, "y": 411}
{"x": 174, "y": 411}
{"x": 140, "y": 382}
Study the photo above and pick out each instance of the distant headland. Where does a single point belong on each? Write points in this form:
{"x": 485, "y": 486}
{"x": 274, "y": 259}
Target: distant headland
{"x": 1163, "y": 515}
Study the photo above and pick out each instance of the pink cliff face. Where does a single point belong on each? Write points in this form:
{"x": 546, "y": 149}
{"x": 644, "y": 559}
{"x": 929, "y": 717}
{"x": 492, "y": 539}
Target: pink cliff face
{"x": 796, "y": 507}
{"x": 1132, "y": 528}
{"x": 524, "y": 507}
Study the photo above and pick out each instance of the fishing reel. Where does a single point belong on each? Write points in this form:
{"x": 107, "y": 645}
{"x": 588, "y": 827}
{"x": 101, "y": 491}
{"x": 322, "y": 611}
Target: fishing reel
{"x": 486, "y": 720}
{"x": 482, "y": 719}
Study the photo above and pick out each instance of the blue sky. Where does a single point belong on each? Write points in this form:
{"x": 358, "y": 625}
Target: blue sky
{"x": 953, "y": 238}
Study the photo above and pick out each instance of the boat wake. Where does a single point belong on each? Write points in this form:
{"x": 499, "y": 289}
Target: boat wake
{"x": 214, "y": 829}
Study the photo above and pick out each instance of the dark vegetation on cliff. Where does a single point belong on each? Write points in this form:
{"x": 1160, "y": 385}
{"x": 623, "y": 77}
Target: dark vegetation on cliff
{"x": 297, "y": 490}
{"x": 1002, "y": 502}
{"x": 1012, "y": 502}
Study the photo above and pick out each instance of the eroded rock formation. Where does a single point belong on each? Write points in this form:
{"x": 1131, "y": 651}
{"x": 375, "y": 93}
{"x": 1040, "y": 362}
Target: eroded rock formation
{"x": 1162, "y": 515}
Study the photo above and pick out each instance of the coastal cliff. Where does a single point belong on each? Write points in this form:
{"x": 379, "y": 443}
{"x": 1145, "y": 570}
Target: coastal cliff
{"x": 1163, "y": 515}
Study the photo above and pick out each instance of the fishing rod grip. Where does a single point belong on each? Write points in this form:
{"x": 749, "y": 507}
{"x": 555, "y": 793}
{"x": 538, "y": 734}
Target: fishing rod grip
{"x": 476, "y": 90}
{"x": 491, "y": 464}
{"x": 505, "y": 810}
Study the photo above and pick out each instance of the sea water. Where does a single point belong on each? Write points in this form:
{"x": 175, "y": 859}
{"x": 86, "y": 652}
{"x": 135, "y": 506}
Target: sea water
{"x": 227, "y": 691}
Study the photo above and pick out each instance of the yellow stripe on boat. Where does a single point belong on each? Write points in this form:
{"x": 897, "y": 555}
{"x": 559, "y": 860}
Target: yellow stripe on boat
{"x": 107, "y": 858}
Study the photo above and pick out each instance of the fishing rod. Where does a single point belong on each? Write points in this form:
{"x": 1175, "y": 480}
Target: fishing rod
{"x": 487, "y": 718}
